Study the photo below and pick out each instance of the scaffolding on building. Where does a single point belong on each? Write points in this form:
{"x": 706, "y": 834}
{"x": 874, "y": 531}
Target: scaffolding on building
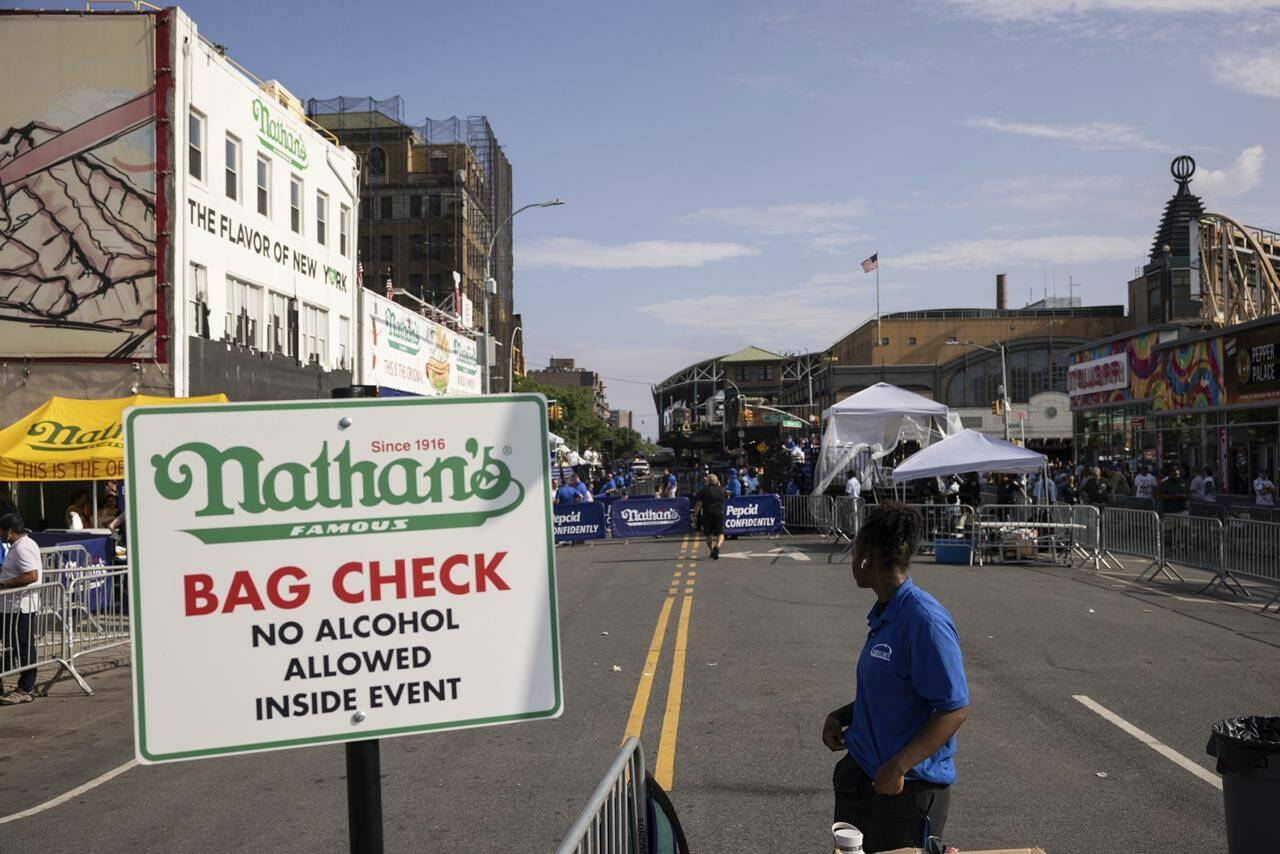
{"x": 428, "y": 220}
{"x": 1236, "y": 270}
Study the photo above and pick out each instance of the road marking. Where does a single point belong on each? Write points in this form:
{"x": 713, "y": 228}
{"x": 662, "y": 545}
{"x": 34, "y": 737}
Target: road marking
{"x": 1151, "y": 741}
{"x": 74, "y": 793}
{"x": 635, "y": 723}
{"x": 665, "y": 767}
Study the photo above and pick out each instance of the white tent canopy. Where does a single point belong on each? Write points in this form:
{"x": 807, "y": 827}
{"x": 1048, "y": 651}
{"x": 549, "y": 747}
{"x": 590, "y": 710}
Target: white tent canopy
{"x": 872, "y": 422}
{"x": 968, "y": 451}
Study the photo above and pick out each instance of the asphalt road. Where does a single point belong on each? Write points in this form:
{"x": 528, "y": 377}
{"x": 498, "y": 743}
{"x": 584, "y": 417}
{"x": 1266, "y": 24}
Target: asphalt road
{"x": 767, "y": 646}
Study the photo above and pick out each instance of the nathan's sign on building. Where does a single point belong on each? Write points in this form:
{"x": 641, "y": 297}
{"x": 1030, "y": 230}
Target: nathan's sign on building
{"x": 404, "y": 351}
{"x": 1105, "y": 374}
{"x": 276, "y": 135}
{"x": 331, "y": 571}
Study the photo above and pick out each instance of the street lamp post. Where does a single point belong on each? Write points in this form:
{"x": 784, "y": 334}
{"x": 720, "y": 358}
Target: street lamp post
{"x": 490, "y": 284}
{"x": 511, "y": 358}
{"x": 1004, "y": 375}
{"x": 724, "y": 414}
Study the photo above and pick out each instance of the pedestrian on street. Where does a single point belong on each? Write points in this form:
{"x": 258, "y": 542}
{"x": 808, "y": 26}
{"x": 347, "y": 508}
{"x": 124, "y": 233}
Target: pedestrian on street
{"x": 22, "y": 568}
{"x": 1264, "y": 491}
{"x": 751, "y": 483}
{"x": 1172, "y": 491}
{"x": 709, "y": 506}
{"x": 669, "y": 485}
{"x": 853, "y": 486}
{"x": 734, "y": 486}
{"x": 894, "y": 783}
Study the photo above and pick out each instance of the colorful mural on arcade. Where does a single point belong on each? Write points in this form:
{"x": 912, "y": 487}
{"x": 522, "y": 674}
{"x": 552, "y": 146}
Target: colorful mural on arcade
{"x": 1183, "y": 376}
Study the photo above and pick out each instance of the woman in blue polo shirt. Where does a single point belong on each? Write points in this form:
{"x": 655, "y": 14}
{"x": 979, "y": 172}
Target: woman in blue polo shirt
{"x": 894, "y": 783}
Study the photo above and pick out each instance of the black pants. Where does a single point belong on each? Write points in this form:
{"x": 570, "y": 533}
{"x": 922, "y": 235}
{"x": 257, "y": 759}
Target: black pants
{"x": 889, "y": 821}
{"x": 17, "y": 636}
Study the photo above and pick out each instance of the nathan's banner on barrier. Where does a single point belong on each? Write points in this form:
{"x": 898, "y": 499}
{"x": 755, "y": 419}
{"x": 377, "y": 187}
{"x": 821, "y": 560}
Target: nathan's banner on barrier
{"x": 753, "y": 514}
{"x": 649, "y": 517}
{"x": 579, "y": 522}
{"x": 312, "y": 572}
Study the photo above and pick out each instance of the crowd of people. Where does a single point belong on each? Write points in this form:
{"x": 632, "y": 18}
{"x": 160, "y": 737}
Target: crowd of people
{"x": 1169, "y": 490}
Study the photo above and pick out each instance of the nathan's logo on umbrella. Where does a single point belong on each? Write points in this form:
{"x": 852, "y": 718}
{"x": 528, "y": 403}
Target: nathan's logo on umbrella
{"x": 466, "y": 490}
{"x": 56, "y": 436}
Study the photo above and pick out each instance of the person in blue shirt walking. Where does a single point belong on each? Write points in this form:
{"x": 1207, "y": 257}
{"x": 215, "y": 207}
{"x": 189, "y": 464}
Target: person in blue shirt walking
{"x": 899, "y": 733}
{"x": 734, "y": 486}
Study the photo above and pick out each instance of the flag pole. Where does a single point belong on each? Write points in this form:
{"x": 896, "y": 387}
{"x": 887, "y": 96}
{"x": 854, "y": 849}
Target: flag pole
{"x": 879, "y": 330}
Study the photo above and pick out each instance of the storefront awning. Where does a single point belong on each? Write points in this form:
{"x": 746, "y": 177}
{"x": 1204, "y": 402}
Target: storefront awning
{"x": 69, "y": 439}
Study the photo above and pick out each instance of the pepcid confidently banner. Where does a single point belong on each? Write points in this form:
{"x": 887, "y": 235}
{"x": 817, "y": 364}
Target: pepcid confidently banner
{"x": 649, "y": 517}
{"x": 575, "y": 522}
{"x": 753, "y": 514}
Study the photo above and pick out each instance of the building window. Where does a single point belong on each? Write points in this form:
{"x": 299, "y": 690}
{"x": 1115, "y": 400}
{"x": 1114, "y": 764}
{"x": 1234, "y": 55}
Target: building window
{"x": 433, "y": 204}
{"x": 740, "y": 373}
{"x": 197, "y": 301}
{"x": 295, "y": 204}
{"x": 315, "y": 334}
{"x": 264, "y": 186}
{"x": 344, "y": 229}
{"x": 279, "y": 340}
{"x": 884, "y": 342}
{"x": 415, "y": 206}
{"x": 415, "y": 283}
{"x": 417, "y": 247}
{"x": 377, "y": 161}
{"x": 233, "y": 167}
{"x": 244, "y": 310}
{"x": 322, "y": 218}
{"x": 386, "y": 248}
{"x": 344, "y": 337}
{"x": 911, "y": 340}
{"x": 385, "y": 203}
{"x": 195, "y": 145}
{"x": 764, "y": 373}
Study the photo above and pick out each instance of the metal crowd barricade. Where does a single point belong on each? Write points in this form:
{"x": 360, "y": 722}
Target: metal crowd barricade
{"x": 1135, "y": 533}
{"x": 70, "y": 554}
{"x": 1063, "y": 531}
{"x": 1252, "y": 548}
{"x": 96, "y": 615}
{"x": 614, "y": 819}
{"x": 814, "y": 512}
{"x": 1195, "y": 542}
{"x": 32, "y": 615}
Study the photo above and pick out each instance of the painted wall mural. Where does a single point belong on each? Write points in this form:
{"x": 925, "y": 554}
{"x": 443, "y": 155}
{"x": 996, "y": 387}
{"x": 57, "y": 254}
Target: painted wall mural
{"x": 77, "y": 187}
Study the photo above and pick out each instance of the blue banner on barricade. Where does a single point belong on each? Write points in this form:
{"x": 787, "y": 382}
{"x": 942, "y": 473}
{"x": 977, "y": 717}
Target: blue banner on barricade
{"x": 650, "y": 517}
{"x": 574, "y": 522}
{"x": 753, "y": 514}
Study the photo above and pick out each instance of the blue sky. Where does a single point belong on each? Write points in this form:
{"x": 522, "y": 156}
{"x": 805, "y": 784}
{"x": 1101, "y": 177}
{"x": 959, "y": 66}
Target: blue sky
{"x": 728, "y": 164}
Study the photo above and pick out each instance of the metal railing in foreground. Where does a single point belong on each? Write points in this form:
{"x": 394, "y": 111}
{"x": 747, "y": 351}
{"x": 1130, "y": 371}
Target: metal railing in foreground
{"x": 1253, "y": 549}
{"x": 813, "y": 512}
{"x": 614, "y": 819}
{"x": 65, "y": 555}
{"x": 1135, "y": 533}
{"x": 1195, "y": 542}
{"x": 75, "y": 612}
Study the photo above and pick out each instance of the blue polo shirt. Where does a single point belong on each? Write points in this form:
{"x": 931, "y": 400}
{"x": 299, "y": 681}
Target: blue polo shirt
{"x": 566, "y": 494}
{"x": 910, "y": 667}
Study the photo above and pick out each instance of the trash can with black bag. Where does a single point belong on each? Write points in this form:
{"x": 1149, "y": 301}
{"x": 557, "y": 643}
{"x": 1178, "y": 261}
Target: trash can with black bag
{"x": 1248, "y": 753}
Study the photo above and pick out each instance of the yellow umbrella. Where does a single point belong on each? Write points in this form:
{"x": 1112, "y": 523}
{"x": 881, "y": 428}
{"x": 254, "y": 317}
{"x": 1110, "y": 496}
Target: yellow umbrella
{"x": 69, "y": 439}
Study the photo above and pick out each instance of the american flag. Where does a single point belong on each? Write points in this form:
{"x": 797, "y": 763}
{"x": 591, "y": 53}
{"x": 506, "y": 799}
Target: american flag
{"x": 871, "y": 263}
{"x": 360, "y": 271}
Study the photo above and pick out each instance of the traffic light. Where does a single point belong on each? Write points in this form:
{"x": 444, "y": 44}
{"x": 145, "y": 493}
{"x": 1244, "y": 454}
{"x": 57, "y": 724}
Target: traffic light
{"x": 997, "y": 406}
{"x": 555, "y": 412}
{"x": 748, "y": 415}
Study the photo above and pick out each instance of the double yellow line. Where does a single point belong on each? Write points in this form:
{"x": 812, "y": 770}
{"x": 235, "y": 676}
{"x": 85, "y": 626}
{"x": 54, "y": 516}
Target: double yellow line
{"x": 664, "y": 769}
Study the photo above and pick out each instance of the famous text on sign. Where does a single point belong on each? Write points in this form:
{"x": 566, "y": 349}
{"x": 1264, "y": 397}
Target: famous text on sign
{"x": 330, "y": 571}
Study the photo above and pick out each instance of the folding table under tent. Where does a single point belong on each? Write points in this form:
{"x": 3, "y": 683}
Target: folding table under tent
{"x": 872, "y": 422}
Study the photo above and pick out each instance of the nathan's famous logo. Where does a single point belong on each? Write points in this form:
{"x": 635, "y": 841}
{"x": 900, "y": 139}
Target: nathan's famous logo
{"x": 438, "y": 364}
{"x": 402, "y": 335}
{"x": 650, "y": 517}
{"x": 237, "y": 482}
{"x": 55, "y": 436}
{"x": 279, "y": 137}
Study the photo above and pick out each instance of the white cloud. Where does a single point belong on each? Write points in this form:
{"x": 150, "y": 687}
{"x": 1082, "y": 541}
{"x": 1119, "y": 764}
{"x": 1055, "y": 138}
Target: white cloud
{"x": 1030, "y": 10}
{"x": 992, "y": 252}
{"x": 569, "y": 252}
{"x": 812, "y": 314}
{"x": 1099, "y": 136}
{"x": 1240, "y": 177}
{"x": 1256, "y": 72}
{"x": 799, "y": 218}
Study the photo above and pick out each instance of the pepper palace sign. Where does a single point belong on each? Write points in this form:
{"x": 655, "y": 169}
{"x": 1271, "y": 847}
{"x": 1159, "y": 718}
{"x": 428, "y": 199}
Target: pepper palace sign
{"x": 319, "y": 572}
